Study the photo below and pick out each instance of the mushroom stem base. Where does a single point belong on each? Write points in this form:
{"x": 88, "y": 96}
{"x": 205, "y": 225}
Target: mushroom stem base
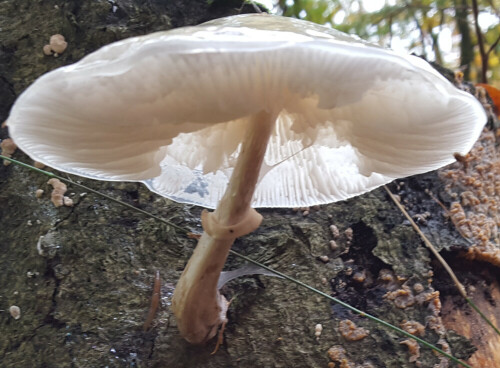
{"x": 197, "y": 304}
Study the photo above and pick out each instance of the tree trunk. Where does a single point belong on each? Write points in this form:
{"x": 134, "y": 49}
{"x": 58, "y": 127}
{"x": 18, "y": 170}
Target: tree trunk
{"x": 82, "y": 276}
{"x": 466, "y": 48}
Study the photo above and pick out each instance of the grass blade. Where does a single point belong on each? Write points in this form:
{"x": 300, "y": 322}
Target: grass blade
{"x": 291, "y": 279}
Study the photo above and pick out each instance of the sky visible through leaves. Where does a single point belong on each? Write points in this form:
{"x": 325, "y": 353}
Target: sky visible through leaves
{"x": 424, "y": 27}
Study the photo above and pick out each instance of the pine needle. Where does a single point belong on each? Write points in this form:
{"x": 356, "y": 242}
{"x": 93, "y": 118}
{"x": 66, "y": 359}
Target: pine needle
{"x": 297, "y": 282}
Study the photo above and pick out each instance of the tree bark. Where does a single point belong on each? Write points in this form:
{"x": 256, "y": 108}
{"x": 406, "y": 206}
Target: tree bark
{"x": 82, "y": 276}
{"x": 466, "y": 48}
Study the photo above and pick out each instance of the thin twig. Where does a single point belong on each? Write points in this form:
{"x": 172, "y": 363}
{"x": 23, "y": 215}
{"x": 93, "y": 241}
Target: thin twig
{"x": 448, "y": 214}
{"x": 460, "y": 287}
{"x": 429, "y": 245}
{"x": 256, "y": 7}
{"x": 493, "y": 46}
{"x": 480, "y": 42}
{"x": 351, "y": 308}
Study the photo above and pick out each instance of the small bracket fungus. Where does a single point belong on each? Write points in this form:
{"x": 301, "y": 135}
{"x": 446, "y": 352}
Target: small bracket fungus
{"x": 58, "y": 191}
{"x": 351, "y": 332}
{"x": 243, "y": 112}
{"x": 47, "y": 50}
{"x": 56, "y": 46}
{"x": 7, "y": 148}
{"x": 413, "y": 348}
{"x": 318, "y": 329}
{"x": 67, "y": 201}
{"x": 38, "y": 165}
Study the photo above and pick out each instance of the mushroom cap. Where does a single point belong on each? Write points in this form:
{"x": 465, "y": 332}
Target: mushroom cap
{"x": 171, "y": 108}
{"x": 47, "y": 50}
{"x": 57, "y": 43}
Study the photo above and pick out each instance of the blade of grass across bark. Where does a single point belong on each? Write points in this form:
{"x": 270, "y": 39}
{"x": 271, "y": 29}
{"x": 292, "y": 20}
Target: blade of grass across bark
{"x": 352, "y": 309}
{"x": 291, "y": 279}
{"x": 71, "y": 182}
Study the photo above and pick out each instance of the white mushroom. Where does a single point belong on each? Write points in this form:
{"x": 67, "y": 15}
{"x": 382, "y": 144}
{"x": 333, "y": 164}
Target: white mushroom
{"x": 7, "y": 148}
{"x": 15, "y": 311}
{"x": 241, "y": 112}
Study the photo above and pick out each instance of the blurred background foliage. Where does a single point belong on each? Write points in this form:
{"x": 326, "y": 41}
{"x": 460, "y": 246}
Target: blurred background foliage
{"x": 454, "y": 33}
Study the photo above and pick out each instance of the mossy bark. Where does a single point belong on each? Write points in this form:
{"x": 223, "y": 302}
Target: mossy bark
{"x": 83, "y": 275}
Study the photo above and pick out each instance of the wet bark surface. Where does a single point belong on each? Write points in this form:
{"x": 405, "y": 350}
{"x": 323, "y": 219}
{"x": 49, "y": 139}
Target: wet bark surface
{"x": 82, "y": 276}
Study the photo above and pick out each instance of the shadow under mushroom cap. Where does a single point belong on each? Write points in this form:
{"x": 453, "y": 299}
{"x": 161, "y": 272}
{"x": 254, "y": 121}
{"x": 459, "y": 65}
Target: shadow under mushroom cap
{"x": 170, "y": 109}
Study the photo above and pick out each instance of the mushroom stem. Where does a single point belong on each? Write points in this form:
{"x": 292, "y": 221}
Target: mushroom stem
{"x": 197, "y": 304}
